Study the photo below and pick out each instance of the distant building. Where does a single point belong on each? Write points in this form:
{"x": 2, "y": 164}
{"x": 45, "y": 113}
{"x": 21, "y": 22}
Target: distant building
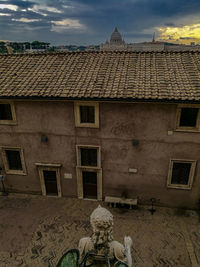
{"x": 36, "y": 48}
{"x": 147, "y": 46}
{"x": 118, "y": 44}
{"x": 92, "y": 48}
{"x": 61, "y": 48}
{"x": 182, "y": 47}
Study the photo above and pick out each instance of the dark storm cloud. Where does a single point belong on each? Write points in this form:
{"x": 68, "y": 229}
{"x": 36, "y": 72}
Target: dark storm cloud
{"x": 92, "y": 21}
{"x": 170, "y": 24}
{"x": 20, "y": 4}
{"x": 136, "y": 16}
{"x": 187, "y": 38}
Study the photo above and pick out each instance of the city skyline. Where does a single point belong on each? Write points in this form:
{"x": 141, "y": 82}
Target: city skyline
{"x": 84, "y": 22}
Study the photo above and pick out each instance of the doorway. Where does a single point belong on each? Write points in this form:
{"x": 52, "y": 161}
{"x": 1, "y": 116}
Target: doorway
{"x": 89, "y": 184}
{"x": 50, "y": 179}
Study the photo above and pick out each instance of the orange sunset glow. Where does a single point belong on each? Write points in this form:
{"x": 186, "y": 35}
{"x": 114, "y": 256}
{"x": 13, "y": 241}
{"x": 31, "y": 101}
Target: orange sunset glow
{"x": 184, "y": 34}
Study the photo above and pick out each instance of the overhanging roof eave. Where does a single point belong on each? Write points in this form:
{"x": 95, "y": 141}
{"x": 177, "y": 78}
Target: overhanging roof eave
{"x": 149, "y": 100}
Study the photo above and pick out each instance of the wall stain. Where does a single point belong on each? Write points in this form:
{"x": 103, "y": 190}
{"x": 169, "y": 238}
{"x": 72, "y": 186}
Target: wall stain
{"x": 123, "y": 128}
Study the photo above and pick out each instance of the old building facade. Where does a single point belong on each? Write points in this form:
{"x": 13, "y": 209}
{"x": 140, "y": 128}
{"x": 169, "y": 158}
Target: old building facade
{"x": 91, "y": 125}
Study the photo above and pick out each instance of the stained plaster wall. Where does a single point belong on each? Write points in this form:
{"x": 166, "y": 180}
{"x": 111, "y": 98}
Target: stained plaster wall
{"x": 120, "y": 123}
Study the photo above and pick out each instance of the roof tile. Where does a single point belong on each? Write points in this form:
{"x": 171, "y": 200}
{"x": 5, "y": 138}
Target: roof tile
{"x": 118, "y": 75}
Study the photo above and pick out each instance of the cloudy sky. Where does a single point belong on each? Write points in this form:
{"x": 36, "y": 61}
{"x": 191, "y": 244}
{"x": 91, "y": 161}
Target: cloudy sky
{"x": 92, "y": 21}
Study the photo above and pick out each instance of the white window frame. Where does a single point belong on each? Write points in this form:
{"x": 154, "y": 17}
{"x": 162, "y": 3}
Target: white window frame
{"x": 191, "y": 175}
{"x": 178, "y": 117}
{"x": 96, "y": 169}
{"x": 13, "y": 121}
{"x": 78, "y": 122}
{"x": 6, "y": 163}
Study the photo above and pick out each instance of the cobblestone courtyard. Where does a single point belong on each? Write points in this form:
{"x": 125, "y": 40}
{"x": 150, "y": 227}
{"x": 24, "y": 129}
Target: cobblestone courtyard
{"x": 36, "y": 231}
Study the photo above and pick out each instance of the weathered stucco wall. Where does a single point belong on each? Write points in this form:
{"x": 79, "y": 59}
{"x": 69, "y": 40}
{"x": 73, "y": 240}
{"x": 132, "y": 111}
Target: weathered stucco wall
{"x": 120, "y": 123}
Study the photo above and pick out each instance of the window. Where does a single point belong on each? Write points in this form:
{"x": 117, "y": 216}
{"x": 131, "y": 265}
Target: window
{"x": 89, "y": 172}
{"x": 7, "y": 113}
{"x": 88, "y": 156}
{"x": 86, "y": 114}
{"x": 13, "y": 159}
{"x": 188, "y": 117}
{"x": 181, "y": 173}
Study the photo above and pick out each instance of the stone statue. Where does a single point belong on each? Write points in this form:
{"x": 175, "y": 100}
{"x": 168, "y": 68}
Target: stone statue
{"x": 101, "y": 243}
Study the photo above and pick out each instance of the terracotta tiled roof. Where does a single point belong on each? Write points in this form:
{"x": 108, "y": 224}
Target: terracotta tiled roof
{"x": 102, "y": 75}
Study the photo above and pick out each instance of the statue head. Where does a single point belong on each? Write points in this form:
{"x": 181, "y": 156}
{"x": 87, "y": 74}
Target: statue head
{"x": 101, "y": 219}
{"x": 102, "y": 223}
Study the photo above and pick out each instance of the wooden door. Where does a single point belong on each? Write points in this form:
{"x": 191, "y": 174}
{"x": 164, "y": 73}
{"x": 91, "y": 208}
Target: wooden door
{"x": 50, "y": 180}
{"x": 89, "y": 184}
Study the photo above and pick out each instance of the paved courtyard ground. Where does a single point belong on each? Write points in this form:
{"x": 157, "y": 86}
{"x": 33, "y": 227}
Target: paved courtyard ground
{"x": 37, "y": 231}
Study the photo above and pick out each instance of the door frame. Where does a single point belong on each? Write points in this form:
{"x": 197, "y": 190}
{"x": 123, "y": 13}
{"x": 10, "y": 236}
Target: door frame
{"x": 49, "y": 167}
{"x": 84, "y": 186}
{"x": 80, "y": 168}
{"x": 80, "y": 181}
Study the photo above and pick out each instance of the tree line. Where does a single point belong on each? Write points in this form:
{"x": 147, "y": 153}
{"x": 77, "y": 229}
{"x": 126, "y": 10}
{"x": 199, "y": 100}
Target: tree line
{"x": 20, "y": 47}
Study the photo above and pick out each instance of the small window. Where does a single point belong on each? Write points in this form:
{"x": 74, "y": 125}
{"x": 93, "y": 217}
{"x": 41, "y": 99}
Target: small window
{"x": 181, "y": 174}
{"x": 86, "y": 114}
{"x": 88, "y": 157}
{"x": 7, "y": 113}
{"x": 13, "y": 161}
{"x": 188, "y": 118}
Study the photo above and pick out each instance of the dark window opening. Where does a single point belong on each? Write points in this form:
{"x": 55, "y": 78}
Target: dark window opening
{"x": 188, "y": 117}
{"x": 50, "y": 179}
{"x": 180, "y": 173}
{"x": 89, "y": 184}
{"x": 14, "y": 160}
{"x": 87, "y": 114}
{"x": 88, "y": 157}
{"x": 5, "y": 112}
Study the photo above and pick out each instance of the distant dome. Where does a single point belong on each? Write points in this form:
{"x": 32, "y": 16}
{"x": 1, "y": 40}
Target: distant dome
{"x": 116, "y": 37}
